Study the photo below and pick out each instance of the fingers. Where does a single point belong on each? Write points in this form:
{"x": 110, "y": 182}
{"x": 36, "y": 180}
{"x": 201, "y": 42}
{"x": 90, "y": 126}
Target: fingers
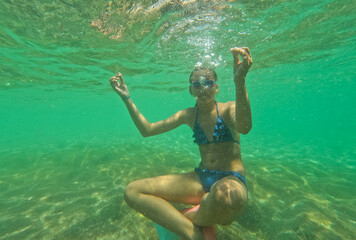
{"x": 245, "y": 53}
{"x": 235, "y": 53}
{"x": 248, "y": 51}
{"x": 113, "y": 81}
{"x": 118, "y": 77}
{"x": 249, "y": 57}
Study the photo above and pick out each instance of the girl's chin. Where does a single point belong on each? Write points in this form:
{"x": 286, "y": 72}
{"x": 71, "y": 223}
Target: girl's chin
{"x": 204, "y": 98}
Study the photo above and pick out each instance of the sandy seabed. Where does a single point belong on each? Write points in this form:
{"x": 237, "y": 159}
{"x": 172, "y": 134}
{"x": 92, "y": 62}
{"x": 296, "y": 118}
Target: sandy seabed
{"x": 77, "y": 193}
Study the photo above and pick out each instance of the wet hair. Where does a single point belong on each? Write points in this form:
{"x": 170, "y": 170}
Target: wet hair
{"x": 201, "y": 68}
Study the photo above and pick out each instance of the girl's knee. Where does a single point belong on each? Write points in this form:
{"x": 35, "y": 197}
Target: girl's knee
{"x": 131, "y": 193}
{"x": 231, "y": 196}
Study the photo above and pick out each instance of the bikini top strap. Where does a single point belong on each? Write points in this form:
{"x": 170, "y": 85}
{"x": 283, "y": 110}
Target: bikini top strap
{"x": 217, "y": 108}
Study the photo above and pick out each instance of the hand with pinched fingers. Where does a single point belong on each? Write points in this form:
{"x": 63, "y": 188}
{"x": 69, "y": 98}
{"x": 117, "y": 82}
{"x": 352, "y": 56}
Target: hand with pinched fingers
{"x": 241, "y": 67}
{"x": 120, "y": 87}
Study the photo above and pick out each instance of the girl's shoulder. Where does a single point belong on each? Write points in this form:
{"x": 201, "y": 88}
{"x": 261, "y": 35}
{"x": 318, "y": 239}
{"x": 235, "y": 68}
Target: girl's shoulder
{"x": 189, "y": 112}
{"x": 189, "y": 115}
{"x": 226, "y": 106}
{"x": 227, "y": 110}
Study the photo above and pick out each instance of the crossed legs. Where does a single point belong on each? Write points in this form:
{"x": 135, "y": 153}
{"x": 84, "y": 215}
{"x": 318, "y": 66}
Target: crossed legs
{"x": 227, "y": 198}
{"x": 151, "y": 197}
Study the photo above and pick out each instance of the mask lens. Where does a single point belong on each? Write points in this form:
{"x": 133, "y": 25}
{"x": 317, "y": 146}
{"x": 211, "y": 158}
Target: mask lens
{"x": 205, "y": 83}
{"x": 195, "y": 84}
{"x": 208, "y": 83}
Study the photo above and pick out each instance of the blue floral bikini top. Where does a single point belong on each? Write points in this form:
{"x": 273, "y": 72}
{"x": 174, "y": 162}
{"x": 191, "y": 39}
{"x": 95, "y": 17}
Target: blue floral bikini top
{"x": 221, "y": 132}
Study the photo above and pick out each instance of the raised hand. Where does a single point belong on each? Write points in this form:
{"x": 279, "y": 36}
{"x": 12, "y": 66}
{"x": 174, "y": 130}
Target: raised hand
{"x": 241, "y": 67}
{"x": 120, "y": 87}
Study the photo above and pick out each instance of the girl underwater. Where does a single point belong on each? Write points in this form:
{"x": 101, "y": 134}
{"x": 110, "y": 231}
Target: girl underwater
{"x": 218, "y": 184}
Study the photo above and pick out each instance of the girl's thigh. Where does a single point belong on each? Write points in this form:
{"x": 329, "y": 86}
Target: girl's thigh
{"x": 182, "y": 188}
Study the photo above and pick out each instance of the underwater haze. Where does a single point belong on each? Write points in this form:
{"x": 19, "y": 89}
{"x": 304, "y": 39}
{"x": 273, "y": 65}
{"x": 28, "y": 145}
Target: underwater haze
{"x": 68, "y": 146}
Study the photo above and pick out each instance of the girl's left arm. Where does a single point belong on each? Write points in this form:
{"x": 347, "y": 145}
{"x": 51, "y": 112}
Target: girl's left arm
{"x": 242, "y": 116}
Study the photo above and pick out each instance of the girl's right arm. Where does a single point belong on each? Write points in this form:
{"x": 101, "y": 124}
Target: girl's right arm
{"x": 145, "y": 127}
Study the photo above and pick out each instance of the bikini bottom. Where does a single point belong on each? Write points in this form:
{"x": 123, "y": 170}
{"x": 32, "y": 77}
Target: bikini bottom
{"x": 209, "y": 177}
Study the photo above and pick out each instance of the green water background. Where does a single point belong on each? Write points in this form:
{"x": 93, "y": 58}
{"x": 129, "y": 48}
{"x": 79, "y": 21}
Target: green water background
{"x": 68, "y": 146}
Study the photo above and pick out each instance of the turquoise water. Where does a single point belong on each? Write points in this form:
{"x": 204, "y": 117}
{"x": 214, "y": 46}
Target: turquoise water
{"x": 68, "y": 146}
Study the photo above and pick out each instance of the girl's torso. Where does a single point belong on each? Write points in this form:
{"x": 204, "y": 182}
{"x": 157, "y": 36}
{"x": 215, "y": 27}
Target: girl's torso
{"x": 221, "y": 156}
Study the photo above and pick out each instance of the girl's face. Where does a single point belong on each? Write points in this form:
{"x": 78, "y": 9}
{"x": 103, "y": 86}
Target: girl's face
{"x": 203, "y": 85}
